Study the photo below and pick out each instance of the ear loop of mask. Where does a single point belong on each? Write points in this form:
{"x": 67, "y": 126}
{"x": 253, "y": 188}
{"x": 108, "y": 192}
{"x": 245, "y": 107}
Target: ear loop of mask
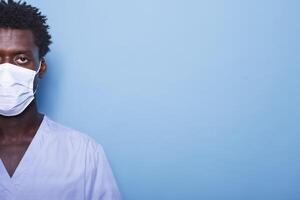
{"x": 36, "y": 74}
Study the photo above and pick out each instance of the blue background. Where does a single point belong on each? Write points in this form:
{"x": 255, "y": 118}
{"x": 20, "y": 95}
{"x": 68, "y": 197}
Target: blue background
{"x": 190, "y": 99}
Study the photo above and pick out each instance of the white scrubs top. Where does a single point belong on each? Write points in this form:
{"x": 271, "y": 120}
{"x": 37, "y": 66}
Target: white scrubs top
{"x": 60, "y": 164}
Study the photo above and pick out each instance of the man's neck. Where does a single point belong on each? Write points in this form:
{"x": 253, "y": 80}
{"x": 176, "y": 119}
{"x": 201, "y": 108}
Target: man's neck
{"x": 22, "y": 126}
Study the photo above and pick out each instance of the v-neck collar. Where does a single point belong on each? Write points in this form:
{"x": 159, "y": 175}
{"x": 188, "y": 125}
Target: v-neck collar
{"x": 27, "y": 159}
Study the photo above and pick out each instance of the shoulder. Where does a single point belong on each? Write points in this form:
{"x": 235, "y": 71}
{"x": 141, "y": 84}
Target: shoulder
{"x": 73, "y": 148}
{"x": 69, "y": 137}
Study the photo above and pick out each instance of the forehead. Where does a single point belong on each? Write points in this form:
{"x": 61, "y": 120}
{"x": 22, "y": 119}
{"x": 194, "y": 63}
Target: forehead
{"x": 16, "y": 39}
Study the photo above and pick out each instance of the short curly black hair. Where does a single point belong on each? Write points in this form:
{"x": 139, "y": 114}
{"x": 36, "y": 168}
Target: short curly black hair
{"x": 20, "y": 15}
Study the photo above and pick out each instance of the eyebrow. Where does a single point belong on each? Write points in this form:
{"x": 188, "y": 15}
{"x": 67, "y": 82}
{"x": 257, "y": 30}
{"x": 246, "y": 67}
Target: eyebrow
{"x": 16, "y": 51}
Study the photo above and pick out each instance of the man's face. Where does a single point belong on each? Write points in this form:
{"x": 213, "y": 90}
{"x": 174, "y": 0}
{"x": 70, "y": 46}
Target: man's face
{"x": 17, "y": 47}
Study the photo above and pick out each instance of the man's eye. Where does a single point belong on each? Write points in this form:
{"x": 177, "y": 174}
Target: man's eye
{"x": 21, "y": 60}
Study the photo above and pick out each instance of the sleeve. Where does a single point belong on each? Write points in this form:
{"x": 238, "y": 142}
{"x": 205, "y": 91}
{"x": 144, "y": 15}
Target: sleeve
{"x": 100, "y": 183}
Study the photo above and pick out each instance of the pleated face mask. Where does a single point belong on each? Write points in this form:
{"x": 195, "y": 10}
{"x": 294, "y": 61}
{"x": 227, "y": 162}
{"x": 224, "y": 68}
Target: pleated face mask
{"x": 16, "y": 88}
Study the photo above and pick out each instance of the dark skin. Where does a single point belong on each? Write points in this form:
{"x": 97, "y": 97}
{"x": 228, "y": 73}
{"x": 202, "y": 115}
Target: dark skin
{"x": 16, "y": 133}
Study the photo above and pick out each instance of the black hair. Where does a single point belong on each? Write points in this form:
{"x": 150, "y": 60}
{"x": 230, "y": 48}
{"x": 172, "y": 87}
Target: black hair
{"x": 20, "y": 15}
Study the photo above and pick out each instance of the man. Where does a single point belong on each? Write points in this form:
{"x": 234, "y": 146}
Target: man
{"x": 40, "y": 159}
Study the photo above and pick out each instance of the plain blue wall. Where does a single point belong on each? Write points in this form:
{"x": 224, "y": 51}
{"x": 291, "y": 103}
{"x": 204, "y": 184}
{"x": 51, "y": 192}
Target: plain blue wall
{"x": 190, "y": 99}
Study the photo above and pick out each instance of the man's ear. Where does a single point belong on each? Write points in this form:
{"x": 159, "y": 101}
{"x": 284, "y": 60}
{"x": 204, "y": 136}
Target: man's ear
{"x": 43, "y": 68}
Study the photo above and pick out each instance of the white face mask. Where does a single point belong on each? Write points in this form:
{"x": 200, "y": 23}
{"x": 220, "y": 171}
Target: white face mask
{"x": 16, "y": 88}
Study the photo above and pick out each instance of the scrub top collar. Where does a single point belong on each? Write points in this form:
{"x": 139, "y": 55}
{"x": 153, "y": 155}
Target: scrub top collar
{"x": 7, "y": 182}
